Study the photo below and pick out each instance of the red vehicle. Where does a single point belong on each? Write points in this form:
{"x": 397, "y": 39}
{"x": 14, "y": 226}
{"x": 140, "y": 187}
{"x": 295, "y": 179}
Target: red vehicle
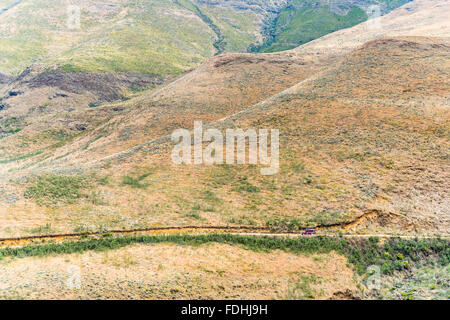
{"x": 309, "y": 231}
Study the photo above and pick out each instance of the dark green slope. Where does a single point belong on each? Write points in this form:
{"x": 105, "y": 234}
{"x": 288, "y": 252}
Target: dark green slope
{"x": 302, "y": 21}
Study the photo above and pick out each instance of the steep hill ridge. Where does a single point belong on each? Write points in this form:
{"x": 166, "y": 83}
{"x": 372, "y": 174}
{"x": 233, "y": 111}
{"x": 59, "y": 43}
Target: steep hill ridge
{"x": 342, "y": 154}
{"x": 361, "y": 130}
{"x": 427, "y": 18}
{"x": 312, "y": 58}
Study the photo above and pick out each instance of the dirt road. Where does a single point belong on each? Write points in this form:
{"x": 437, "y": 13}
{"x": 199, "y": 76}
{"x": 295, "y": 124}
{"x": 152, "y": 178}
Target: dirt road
{"x": 242, "y": 230}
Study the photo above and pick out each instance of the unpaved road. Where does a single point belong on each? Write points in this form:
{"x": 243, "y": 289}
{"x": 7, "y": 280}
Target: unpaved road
{"x": 194, "y": 230}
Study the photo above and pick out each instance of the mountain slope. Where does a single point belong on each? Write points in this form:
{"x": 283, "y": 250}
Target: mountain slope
{"x": 121, "y": 48}
{"x": 244, "y": 76}
{"x": 427, "y": 18}
{"x": 165, "y": 36}
{"x": 118, "y": 36}
{"x": 221, "y": 87}
{"x": 302, "y": 21}
{"x": 379, "y": 145}
{"x": 363, "y": 139}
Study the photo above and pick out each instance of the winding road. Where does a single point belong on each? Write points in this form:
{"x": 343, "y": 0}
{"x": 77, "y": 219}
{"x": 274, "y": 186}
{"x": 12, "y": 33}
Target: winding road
{"x": 238, "y": 230}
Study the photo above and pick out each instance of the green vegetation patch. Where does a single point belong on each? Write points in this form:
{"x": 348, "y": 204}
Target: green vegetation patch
{"x": 243, "y": 185}
{"x": 301, "y": 21}
{"x": 303, "y": 288}
{"x": 394, "y": 255}
{"x": 51, "y": 189}
{"x": 69, "y": 68}
{"x": 22, "y": 157}
{"x": 295, "y": 27}
{"x": 137, "y": 180}
{"x": 11, "y": 125}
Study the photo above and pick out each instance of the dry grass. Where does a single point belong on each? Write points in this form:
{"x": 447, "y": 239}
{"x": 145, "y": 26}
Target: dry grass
{"x": 369, "y": 132}
{"x": 354, "y": 138}
{"x": 210, "y": 271}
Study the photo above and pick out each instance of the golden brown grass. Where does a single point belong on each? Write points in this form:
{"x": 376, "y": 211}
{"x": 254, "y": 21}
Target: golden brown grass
{"x": 354, "y": 138}
{"x": 210, "y": 271}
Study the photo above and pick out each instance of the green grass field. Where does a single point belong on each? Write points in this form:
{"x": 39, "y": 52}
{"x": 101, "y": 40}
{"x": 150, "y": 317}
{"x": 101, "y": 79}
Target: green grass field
{"x": 302, "y": 21}
{"x": 157, "y": 37}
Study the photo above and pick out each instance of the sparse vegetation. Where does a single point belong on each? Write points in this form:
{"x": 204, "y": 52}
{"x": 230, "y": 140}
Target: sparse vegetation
{"x": 302, "y": 21}
{"x": 45, "y": 229}
{"x": 286, "y": 224}
{"x": 85, "y": 133}
{"x": 303, "y": 288}
{"x": 361, "y": 253}
{"x": 294, "y": 27}
{"x": 136, "y": 182}
{"x": 22, "y": 157}
{"x": 243, "y": 185}
{"x": 51, "y": 189}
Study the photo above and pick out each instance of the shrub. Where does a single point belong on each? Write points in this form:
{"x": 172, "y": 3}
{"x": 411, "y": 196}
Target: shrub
{"x": 51, "y": 189}
{"x": 243, "y": 185}
{"x": 136, "y": 182}
{"x": 361, "y": 253}
{"x": 285, "y": 224}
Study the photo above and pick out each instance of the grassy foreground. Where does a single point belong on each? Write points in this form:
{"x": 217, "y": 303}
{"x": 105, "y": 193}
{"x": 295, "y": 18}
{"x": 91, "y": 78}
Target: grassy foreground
{"x": 394, "y": 255}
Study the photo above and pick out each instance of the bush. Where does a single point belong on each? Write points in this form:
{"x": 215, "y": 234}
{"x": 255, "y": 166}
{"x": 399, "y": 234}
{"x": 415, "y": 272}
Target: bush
{"x": 51, "y": 189}
{"x": 243, "y": 185}
{"x": 361, "y": 253}
{"x": 136, "y": 182}
{"x": 286, "y": 224}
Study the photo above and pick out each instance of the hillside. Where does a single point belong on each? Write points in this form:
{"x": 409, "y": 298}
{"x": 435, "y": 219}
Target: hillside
{"x": 93, "y": 206}
{"x": 220, "y": 87}
{"x": 64, "y": 91}
{"x": 302, "y": 21}
{"x": 350, "y": 146}
{"x": 161, "y": 37}
{"x": 118, "y": 36}
{"x": 50, "y": 71}
{"x": 341, "y": 156}
{"x": 120, "y": 49}
{"x": 430, "y": 19}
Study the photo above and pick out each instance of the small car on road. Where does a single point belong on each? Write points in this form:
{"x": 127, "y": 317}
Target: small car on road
{"x": 309, "y": 231}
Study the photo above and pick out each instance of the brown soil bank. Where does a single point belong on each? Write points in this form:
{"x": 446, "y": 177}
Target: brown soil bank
{"x": 106, "y": 86}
